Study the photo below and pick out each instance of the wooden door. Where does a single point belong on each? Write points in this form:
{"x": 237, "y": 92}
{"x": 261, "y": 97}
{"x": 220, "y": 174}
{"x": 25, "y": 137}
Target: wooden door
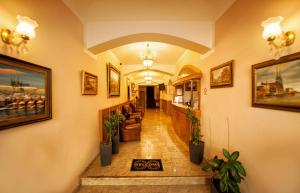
{"x": 142, "y": 99}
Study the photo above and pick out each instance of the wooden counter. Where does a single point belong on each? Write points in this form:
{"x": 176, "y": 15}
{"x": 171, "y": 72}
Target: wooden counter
{"x": 166, "y": 106}
{"x": 181, "y": 123}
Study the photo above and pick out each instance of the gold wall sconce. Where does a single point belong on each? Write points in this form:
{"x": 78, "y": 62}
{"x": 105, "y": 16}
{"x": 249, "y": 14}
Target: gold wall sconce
{"x": 18, "y": 38}
{"x": 278, "y": 40}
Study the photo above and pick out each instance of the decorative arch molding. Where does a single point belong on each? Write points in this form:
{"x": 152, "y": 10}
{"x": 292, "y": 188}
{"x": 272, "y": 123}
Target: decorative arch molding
{"x": 188, "y": 69}
{"x": 155, "y": 37}
{"x": 153, "y": 70}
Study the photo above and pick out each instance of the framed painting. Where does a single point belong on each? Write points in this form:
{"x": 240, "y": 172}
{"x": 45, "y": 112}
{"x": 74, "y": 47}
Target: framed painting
{"x": 25, "y": 93}
{"x": 89, "y": 83}
{"x": 113, "y": 76}
{"x": 222, "y": 75}
{"x": 276, "y": 83}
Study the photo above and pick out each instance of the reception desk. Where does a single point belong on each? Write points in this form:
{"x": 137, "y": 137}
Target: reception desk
{"x": 181, "y": 123}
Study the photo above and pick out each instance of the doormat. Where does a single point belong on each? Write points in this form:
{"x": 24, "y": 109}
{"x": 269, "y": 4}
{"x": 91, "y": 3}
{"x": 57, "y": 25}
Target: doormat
{"x": 146, "y": 165}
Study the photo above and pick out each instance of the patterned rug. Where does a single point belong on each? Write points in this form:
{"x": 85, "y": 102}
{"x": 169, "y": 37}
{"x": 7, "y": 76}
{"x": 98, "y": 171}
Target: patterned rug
{"x": 146, "y": 165}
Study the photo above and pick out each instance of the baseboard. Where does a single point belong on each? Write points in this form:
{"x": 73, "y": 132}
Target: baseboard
{"x": 77, "y": 187}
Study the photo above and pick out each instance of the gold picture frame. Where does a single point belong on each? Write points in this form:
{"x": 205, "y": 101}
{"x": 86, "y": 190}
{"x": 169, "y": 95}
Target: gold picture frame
{"x": 89, "y": 83}
{"x": 113, "y": 81}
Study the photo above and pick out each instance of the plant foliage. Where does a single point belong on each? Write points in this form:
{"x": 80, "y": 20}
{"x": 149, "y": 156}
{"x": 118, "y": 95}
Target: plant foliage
{"x": 111, "y": 125}
{"x": 230, "y": 172}
{"x": 195, "y": 132}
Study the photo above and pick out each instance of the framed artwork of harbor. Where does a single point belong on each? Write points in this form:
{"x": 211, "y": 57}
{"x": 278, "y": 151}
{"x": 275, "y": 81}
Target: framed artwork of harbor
{"x": 25, "y": 93}
{"x": 89, "y": 83}
{"x": 222, "y": 75}
{"x": 113, "y": 75}
{"x": 276, "y": 83}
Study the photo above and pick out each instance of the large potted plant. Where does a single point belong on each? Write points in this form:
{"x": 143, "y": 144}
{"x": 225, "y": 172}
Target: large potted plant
{"x": 196, "y": 146}
{"x": 116, "y": 118}
{"x": 227, "y": 174}
{"x": 106, "y": 146}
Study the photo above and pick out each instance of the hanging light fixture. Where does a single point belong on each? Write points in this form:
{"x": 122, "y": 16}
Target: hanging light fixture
{"x": 147, "y": 57}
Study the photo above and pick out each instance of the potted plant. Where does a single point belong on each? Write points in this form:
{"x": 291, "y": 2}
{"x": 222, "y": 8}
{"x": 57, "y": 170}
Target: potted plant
{"x": 116, "y": 118}
{"x": 227, "y": 174}
{"x": 196, "y": 146}
{"x": 106, "y": 146}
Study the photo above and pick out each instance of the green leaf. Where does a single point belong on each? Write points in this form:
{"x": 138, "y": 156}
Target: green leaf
{"x": 234, "y": 155}
{"x": 207, "y": 168}
{"x": 226, "y": 153}
{"x": 223, "y": 185}
{"x": 240, "y": 168}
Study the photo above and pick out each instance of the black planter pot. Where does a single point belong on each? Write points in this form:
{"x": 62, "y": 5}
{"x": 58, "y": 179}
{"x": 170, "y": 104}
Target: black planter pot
{"x": 196, "y": 152}
{"x": 115, "y": 144}
{"x": 215, "y": 186}
{"x": 105, "y": 154}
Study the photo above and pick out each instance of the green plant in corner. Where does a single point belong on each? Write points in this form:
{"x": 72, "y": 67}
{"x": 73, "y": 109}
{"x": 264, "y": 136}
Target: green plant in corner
{"x": 108, "y": 129}
{"x": 229, "y": 172}
{"x": 116, "y": 119}
{"x": 195, "y": 132}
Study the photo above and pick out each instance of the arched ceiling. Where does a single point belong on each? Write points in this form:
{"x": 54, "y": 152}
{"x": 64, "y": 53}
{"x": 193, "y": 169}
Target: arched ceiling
{"x": 166, "y": 54}
{"x": 137, "y": 10}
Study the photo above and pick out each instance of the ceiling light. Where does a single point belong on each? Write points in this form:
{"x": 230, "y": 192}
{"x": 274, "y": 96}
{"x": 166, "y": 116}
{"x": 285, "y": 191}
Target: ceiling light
{"x": 147, "y": 57}
{"x": 148, "y": 78}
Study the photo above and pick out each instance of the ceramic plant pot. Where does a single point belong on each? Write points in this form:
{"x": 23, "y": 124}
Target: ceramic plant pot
{"x": 115, "y": 144}
{"x": 105, "y": 154}
{"x": 196, "y": 152}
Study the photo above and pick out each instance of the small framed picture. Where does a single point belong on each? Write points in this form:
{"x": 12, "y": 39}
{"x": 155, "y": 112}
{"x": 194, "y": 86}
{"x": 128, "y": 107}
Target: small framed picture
{"x": 276, "y": 83}
{"x": 113, "y": 76}
{"x": 89, "y": 83}
{"x": 222, "y": 75}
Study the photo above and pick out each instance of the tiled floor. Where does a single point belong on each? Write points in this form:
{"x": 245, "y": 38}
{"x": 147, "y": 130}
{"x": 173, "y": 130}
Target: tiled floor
{"x": 158, "y": 141}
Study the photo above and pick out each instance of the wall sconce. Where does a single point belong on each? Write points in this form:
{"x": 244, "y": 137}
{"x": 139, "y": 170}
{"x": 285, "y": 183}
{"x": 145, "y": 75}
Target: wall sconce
{"x": 278, "y": 39}
{"x": 18, "y": 38}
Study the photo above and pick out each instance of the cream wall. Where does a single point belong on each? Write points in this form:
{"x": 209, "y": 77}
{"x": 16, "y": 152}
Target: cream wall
{"x": 49, "y": 156}
{"x": 268, "y": 140}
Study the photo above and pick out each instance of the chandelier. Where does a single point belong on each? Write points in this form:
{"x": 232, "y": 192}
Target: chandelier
{"x": 147, "y": 57}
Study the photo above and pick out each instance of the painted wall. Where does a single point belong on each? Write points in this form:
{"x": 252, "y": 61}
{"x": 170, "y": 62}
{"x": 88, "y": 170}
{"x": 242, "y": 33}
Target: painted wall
{"x": 268, "y": 140}
{"x": 49, "y": 156}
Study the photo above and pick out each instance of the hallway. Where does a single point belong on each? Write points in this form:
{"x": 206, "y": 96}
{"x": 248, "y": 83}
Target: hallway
{"x": 158, "y": 141}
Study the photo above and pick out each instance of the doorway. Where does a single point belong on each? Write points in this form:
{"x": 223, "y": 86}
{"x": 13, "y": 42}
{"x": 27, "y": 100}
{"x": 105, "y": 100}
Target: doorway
{"x": 150, "y": 97}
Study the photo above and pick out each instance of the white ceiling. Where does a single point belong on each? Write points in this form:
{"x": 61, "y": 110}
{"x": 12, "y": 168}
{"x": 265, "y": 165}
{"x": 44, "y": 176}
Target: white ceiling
{"x": 137, "y": 10}
{"x": 165, "y": 53}
{"x": 146, "y": 11}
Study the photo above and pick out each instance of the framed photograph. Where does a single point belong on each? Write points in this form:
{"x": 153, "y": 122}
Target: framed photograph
{"x": 113, "y": 75}
{"x": 276, "y": 83}
{"x": 25, "y": 93}
{"x": 222, "y": 75}
{"x": 89, "y": 83}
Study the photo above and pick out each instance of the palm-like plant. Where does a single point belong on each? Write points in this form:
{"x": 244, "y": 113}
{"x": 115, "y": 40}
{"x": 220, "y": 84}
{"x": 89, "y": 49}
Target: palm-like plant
{"x": 229, "y": 172}
{"x": 116, "y": 119}
{"x": 108, "y": 129}
{"x": 195, "y": 132}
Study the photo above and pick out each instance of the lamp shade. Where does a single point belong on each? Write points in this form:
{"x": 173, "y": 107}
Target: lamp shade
{"x": 26, "y": 27}
{"x": 272, "y": 28}
{"x": 148, "y": 78}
